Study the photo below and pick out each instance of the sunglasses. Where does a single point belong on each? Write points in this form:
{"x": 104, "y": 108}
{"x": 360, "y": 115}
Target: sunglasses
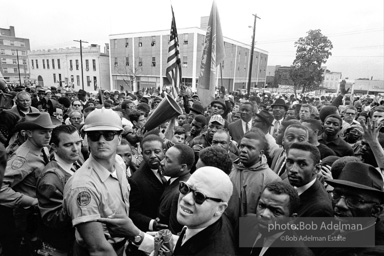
{"x": 108, "y": 135}
{"x": 197, "y": 196}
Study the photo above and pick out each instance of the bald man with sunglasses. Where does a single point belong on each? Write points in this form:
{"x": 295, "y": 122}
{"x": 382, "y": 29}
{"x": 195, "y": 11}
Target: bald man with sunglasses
{"x": 202, "y": 202}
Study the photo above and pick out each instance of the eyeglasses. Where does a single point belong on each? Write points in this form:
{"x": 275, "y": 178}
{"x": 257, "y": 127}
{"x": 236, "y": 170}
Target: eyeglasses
{"x": 351, "y": 201}
{"x": 197, "y": 196}
{"x": 108, "y": 135}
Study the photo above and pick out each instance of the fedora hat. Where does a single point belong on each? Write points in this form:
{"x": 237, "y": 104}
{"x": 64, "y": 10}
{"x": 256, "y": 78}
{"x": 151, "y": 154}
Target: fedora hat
{"x": 33, "y": 121}
{"x": 266, "y": 117}
{"x": 280, "y": 102}
{"x": 198, "y": 108}
{"x": 360, "y": 176}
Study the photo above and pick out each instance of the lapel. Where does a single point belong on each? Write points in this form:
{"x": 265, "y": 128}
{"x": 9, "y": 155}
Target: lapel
{"x": 151, "y": 176}
{"x": 199, "y": 241}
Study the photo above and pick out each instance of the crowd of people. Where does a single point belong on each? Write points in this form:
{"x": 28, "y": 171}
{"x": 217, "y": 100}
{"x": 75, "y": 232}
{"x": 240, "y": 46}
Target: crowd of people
{"x": 82, "y": 174}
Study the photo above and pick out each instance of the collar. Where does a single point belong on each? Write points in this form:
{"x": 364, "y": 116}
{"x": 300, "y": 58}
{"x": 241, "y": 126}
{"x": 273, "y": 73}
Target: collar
{"x": 302, "y": 189}
{"x": 171, "y": 180}
{"x": 64, "y": 165}
{"x": 189, "y": 233}
{"x": 280, "y": 120}
{"x": 102, "y": 172}
{"x": 268, "y": 241}
{"x": 32, "y": 147}
{"x": 255, "y": 167}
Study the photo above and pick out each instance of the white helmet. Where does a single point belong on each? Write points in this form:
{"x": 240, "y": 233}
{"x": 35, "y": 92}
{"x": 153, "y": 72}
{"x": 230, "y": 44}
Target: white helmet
{"x": 103, "y": 120}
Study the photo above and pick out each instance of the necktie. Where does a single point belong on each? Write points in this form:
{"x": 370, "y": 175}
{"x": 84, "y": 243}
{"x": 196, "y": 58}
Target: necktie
{"x": 45, "y": 156}
{"x": 246, "y": 127}
{"x": 276, "y": 127}
{"x": 163, "y": 179}
{"x": 257, "y": 246}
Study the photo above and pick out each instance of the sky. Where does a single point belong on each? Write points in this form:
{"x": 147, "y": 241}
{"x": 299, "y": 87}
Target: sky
{"x": 355, "y": 27}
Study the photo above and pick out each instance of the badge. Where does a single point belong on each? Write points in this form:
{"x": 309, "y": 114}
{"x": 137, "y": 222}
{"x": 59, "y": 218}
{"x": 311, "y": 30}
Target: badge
{"x": 17, "y": 163}
{"x": 83, "y": 198}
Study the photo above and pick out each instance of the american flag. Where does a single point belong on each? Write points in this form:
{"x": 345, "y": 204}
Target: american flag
{"x": 173, "y": 62}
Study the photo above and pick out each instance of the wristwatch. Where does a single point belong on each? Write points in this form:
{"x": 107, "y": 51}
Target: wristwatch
{"x": 138, "y": 239}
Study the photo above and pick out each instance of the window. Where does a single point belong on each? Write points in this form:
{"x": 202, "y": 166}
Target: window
{"x": 116, "y": 63}
{"x": 15, "y": 70}
{"x": 54, "y": 78}
{"x": 88, "y": 81}
{"x": 22, "y": 44}
{"x": 72, "y": 79}
{"x": 53, "y": 64}
{"x": 140, "y": 62}
{"x": 23, "y": 53}
{"x": 70, "y": 65}
{"x": 43, "y": 64}
{"x": 78, "y": 80}
{"x": 77, "y": 64}
{"x": 185, "y": 40}
{"x": 153, "y": 43}
{"x": 2, "y": 51}
{"x": 140, "y": 42}
{"x": 1, "y": 41}
{"x": 126, "y": 43}
{"x": 87, "y": 65}
{"x": 3, "y": 60}
{"x": 94, "y": 64}
{"x": 24, "y": 62}
{"x": 58, "y": 64}
{"x": 126, "y": 61}
{"x": 5, "y": 71}
{"x": 37, "y": 63}
{"x": 153, "y": 61}
{"x": 95, "y": 83}
{"x": 32, "y": 64}
{"x": 13, "y": 52}
{"x": 14, "y": 61}
{"x": 59, "y": 77}
{"x": 185, "y": 61}
{"x": 47, "y": 64}
{"x": 222, "y": 65}
{"x": 12, "y": 43}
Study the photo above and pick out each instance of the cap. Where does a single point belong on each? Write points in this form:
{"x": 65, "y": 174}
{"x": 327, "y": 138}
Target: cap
{"x": 103, "y": 120}
{"x": 217, "y": 118}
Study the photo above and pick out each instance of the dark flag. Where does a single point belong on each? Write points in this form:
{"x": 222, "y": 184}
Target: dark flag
{"x": 213, "y": 55}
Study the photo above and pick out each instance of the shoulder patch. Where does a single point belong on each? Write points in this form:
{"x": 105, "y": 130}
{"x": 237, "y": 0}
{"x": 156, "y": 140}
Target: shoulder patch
{"x": 83, "y": 198}
{"x": 17, "y": 163}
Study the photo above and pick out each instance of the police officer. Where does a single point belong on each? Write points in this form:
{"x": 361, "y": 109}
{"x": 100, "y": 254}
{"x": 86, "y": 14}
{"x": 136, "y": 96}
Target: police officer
{"x": 18, "y": 191}
{"x": 99, "y": 188}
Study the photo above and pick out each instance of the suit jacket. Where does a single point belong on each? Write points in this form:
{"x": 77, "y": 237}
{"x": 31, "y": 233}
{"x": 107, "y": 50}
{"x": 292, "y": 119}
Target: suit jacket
{"x": 217, "y": 239}
{"x": 315, "y": 202}
{"x": 16, "y": 111}
{"x": 166, "y": 200}
{"x": 146, "y": 190}
{"x": 236, "y": 130}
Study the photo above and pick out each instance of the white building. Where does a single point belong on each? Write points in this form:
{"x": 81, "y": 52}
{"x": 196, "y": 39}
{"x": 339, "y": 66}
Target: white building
{"x": 331, "y": 81}
{"x": 52, "y": 67}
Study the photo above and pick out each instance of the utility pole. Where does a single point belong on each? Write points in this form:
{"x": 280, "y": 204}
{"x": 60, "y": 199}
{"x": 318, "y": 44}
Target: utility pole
{"x": 81, "y": 60}
{"x": 18, "y": 67}
{"x": 252, "y": 50}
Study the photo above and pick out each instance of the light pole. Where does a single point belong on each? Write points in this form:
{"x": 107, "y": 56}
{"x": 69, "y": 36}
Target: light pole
{"x": 18, "y": 66}
{"x": 81, "y": 60}
{"x": 251, "y": 60}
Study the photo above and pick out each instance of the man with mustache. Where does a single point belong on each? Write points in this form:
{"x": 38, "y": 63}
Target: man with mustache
{"x": 56, "y": 226}
{"x": 148, "y": 184}
{"x": 358, "y": 192}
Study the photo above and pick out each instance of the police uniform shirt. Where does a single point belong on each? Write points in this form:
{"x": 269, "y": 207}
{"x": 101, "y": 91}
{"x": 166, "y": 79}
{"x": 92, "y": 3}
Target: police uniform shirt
{"x": 21, "y": 174}
{"x": 94, "y": 192}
